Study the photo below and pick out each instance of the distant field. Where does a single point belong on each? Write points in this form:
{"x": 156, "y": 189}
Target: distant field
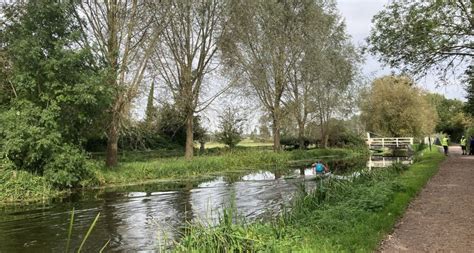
{"x": 243, "y": 143}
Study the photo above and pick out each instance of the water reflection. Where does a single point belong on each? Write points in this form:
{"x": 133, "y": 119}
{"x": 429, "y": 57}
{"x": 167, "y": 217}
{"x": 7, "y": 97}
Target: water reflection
{"x": 141, "y": 218}
{"x": 383, "y": 162}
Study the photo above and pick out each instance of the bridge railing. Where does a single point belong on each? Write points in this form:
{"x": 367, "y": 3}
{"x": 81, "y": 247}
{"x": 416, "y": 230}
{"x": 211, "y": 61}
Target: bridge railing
{"x": 397, "y": 142}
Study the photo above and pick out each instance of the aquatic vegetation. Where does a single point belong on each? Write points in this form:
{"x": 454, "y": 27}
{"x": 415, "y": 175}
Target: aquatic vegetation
{"x": 337, "y": 216}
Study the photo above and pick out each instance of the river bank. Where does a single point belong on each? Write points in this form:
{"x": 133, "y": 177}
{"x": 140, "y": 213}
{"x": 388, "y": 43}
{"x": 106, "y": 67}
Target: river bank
{"x": 339, "y": 216}
{"x": 23, "y": 187}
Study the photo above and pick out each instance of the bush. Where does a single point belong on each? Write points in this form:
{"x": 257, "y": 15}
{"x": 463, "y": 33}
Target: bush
{"x": 30, "y": 141}
{"x": 291, "y": 142}
{"x": 26, "y": 139}
{"x": 230, "y": 127}
{"x": 346, "y": 139}
{"x": 67, "y": 168}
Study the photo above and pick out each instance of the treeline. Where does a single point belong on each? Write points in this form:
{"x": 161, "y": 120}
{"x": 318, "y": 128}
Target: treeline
{"x": 72, "y": 71}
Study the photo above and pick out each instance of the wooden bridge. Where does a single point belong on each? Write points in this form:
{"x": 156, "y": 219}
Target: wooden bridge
{"x": 389, "y": 142}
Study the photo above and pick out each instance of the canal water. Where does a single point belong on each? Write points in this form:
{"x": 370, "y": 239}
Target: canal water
{"x": 141, "y": 218}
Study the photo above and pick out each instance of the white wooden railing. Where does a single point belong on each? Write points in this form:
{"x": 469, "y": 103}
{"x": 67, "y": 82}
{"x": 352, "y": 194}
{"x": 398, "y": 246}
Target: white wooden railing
{"x": 389, "y": 142}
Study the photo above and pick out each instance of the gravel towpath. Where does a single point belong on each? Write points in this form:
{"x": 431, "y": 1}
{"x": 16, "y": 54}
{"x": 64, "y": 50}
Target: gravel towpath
{"x": 441, "y": 217}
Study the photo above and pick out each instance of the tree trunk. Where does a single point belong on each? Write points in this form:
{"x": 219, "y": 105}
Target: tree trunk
{"x": 112, "y": 145}
{"x": 202, "y": 146}
{"x": 324, "y": 134}
{"x": 276, "y": 133}
{"x": 326, "y": 140}
{"x": 301, "y": 135}
{"x": 189, "y": 137}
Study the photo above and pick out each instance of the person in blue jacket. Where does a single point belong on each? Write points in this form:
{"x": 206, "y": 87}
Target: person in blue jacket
{"x": 320, "y": 167}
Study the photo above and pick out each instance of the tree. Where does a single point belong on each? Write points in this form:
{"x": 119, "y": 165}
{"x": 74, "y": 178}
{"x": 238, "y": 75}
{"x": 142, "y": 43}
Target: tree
{"x": 55, "y": 94}
{"x": 123, "y": 33}
{"x": 186, "y": 53}
{"x": 256, "y": 48}
{"x": 47, "y": 68}
{"x": 230, "y": 127}
{"x": 150, "y": 110}
{"x": 321, "y": 79}
{"x": 419, "y": 36}
{"x": 452, "y": 118}
{"x": 395, "y": 107}
{"x": 469, "y": 106}
{"x": 171, "y": 124}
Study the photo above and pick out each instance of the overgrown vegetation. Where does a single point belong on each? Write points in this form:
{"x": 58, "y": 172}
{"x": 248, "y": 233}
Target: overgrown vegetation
{"x": 236, "y": 160}
{"x": 350, "y": 216}
{"x": 56, "y": 93}
{"x": 137, "y": 168}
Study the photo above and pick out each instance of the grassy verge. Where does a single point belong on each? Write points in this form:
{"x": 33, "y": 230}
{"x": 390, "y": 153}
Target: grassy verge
{"x": 338, "y": 216}
{"x": 228, "y": 161}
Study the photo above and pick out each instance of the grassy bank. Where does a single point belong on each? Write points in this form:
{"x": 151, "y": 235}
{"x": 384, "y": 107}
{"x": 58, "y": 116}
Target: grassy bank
{"x": 227, "y": 161}
{"x": 339, "y": 216}
{"x": 22, "y": 186}
{"x": 140, "y": 167}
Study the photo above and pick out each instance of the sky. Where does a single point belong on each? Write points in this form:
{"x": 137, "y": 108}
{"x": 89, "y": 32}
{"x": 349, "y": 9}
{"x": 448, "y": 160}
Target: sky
{"x": 358, "y": 15}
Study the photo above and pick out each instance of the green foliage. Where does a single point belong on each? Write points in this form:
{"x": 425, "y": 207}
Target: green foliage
{"x": 142, "y": 137}
{"x": 16, "y": 186}
{"x": 291, "y": 142}
{"x": 230, "y": 127}
{"x": 49, "y": 69}
{"x": 67, "y": 168}
{"x": 338, "y": 216}
{"x": 28, "y": 137}
{"x": 341, "y": 136}
{"x": 171, "y": 124}
{"x": 56, "y": 93}
{"x": 137, "y": 170}
{"x": 469, "y": 106}
{"x": 395, "y": 107}
{"x": 452, "y": 118}
{"x": 429, "y": 35}
{"x": 31, "y": 142}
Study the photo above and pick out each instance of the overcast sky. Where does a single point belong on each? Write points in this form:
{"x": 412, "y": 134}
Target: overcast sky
{"x": 358, "y": 15}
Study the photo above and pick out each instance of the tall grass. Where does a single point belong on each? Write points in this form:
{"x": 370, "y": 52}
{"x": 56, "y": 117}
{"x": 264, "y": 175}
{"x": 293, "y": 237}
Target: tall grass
{"x": 86, "y": 237}
{"x": 22, "y": 186}
{"x": 337, "y": 216}
{"x": 238, "y": 160}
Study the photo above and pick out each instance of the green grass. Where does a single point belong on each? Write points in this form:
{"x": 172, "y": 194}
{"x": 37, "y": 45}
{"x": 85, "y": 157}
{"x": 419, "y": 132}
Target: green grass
{"x": 22, "y": 186}
{"x": 203, "y": 166}
{"x": 154, "y": 166}
{"x": 340, "y": 216}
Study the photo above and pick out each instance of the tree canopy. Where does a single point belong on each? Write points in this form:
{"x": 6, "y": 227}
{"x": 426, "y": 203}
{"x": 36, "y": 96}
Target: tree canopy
{"x": 419, "y": 36}
{"x": 55, "y": 91}
{"x": 395, "y": 107}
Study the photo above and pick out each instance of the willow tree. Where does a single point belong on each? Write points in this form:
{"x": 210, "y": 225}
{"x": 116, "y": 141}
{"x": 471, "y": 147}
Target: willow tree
{"x": 335, "y": 79}
{"x": 324, "y": 68}
{"x": 186, "y": 54}
{"x": 123, "y": 34}
{"x": 395, "y": 107}
{"x": 257, "y": 47}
